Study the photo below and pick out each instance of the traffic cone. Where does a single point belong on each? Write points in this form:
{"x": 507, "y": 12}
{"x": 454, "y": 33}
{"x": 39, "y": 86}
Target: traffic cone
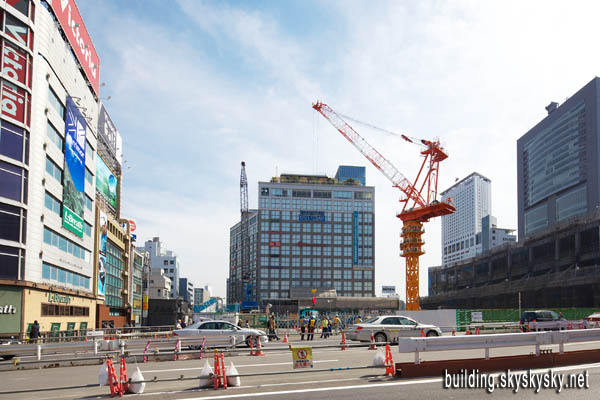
{"x": 422, "y": 333}
{"x": 477, "y": 331}
{"x": 113, "y": 382}
{"x": 529, "y": 328}
{"x": 453, "y": 332}
{"x": 343, "y": 341}
{"x": 123, "y": 377}
{"x": 468, "y": 331}
{"x": 223, "y": 371}
{"x": 285, "y": 338}
{"x": 258, "y": 351}
{"x": 373, "y": 346}
{"x": 217, "y": 371}
{"x": 389, "y": 362}
{"x": 251, "y": 346}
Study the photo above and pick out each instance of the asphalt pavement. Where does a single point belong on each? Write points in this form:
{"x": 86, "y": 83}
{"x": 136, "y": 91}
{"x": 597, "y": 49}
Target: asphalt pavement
{"x": 334, "y": 383}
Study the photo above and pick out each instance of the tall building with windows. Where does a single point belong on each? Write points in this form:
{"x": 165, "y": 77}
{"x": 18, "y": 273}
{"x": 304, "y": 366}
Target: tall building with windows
{"x": 166, "y": 260}
{"x": 557, "y": 163}
{"x": 309, "y": 231}
{"x": 461, "y": 231}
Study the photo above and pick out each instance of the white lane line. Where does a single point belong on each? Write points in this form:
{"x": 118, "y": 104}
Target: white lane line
{"x": 373, "y": 385}
{"x": 237, "y": 366}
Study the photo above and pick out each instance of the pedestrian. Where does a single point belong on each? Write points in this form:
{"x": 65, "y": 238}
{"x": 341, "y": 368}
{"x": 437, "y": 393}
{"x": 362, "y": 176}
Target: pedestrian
{"x": 311, "y": 328}
{"x": 358, "y": 320}
{"x": 336, "y": 324}
{"x": 183, "y": 324}
{"x": 272, "y": 325}
{"x": 324, "y": 324}
{"x": 34, "y": 333}
{"x": 178, "y": 324}
{"x": 247, "y": 324}
{"x": 303, "y": 326}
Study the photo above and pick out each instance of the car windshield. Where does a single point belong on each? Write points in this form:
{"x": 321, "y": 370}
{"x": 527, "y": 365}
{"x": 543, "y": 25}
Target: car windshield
{"x": 371, "y": 320}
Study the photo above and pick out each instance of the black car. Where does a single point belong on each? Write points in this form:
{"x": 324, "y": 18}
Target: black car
{"x": 546, "y": 319}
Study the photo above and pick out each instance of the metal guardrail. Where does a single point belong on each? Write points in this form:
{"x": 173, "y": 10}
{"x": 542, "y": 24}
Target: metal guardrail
{"x": 469, "y": 342}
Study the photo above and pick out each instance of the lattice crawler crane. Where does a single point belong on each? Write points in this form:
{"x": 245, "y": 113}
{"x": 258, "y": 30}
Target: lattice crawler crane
{"x": 419, "y": 197}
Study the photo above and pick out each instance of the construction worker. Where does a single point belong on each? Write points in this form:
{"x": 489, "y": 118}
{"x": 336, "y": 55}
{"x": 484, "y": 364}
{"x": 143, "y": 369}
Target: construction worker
{"x": 336, "y": 324}
{"x": 272, "y": 325}
{"x": 303, "y": 326}
{"x": 324, "y": 324}
{"x": 311, "y": 328}
{"x": 358, "y": 320}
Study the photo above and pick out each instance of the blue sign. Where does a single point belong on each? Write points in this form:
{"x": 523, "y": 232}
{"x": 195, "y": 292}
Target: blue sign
{"x": 355, "y": 237}
{"x": 74, "y": 173}
{"x": 312, "y": 216}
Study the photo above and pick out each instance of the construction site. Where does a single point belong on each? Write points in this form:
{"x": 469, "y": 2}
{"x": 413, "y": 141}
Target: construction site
{"x": 556, "y": 268}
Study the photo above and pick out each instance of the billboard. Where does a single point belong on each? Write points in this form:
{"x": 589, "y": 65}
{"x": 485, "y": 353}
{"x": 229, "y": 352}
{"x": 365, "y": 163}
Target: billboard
{"x": 102, "y": 253}
{"x": 388, "y": 290}
{"x": 106, "y": 183}
{"x": 107, "y": 130}
{"x": 72, "y": 24}
{"x": 74, "y": 176}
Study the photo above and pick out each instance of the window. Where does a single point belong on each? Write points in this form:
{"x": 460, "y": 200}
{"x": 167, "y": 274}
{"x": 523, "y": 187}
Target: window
{"x": 54, "y": 136}
{"x": 89, "y": 177}
{"x": 88, "y": 203}
{"x": 54, "y": 239}
{"x": 301, "y": 193}
{"x": 53, "y": 169}
{"x": 56, "y": 103}
{"x": 52, "y": 203}
{"x": 12, "y": 141}
{"x": 320, "y": 194}
{"x": 264, "y": 191}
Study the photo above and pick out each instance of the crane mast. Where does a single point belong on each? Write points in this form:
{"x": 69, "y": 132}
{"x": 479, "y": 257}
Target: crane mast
{"x": 244, "y": 280}
{"x": 422, "y": 209}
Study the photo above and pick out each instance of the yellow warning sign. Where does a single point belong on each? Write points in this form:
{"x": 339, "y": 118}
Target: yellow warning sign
{"x": 302, "y": 357}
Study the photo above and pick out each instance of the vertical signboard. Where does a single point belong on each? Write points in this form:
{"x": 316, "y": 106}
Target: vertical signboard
{"x": 106, "y": 183}
{"x": 72, "y": 24}
{"x": 74, "y": 176}
{"x": 102, "y": 254}
{"x": 355, "y": 237}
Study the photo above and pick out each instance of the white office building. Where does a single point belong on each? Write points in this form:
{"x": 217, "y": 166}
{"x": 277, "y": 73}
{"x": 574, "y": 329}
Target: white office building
{"x": 461, "y": 231}
{"x": 166, "y": 260}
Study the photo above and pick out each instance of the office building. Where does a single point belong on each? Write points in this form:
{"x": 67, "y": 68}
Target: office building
{"x": 159, "y": 285}
{"x": 349, "y": 174}
{"x": 461, "y": 231}
{"x": 200, "y": 296}
{"x": 186, "y": 290}
{"x": 557, "y": 163}
{"x": 309, "y": 231}
{"x": 166, "y": 260}
{"x": 492, "y": 236}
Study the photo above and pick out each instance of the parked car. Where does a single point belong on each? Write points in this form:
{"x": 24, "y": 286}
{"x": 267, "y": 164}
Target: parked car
{"x": 221, "y": 329}
{"x": 8, "y": 342}
{"x": 388, "y": 328}
{"x": 595, "y": 317}
{"x": 542, "y": 320}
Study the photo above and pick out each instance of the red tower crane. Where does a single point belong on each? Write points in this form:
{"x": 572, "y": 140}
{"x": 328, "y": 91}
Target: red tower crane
{"x": 421, "y": 194}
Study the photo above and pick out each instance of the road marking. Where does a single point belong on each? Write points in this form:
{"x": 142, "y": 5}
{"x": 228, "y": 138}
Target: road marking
{"x": 237, "y": 366}
{"x": 374, "y": 385}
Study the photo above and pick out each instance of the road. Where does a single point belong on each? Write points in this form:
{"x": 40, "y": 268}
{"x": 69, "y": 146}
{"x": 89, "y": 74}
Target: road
{"x": 337, "y": 384}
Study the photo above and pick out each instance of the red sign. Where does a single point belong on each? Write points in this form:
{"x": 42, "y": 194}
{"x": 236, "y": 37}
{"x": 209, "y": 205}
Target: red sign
{"x": 132, "y": 225}
{"x": 275, "y": 244}
{"x": 13, "y": 101}
{"x": 70, "y": 20}
{"x": 14, "y": 62}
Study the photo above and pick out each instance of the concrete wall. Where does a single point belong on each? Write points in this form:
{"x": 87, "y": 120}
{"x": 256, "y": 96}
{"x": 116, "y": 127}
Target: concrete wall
{"x": 445, "y": 319}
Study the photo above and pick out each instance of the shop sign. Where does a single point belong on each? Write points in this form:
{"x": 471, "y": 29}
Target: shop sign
{"x": 8, "y": 309}
{"x": 57, "y": 298}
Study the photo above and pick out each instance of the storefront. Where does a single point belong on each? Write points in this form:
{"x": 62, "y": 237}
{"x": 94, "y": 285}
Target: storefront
{"x": 10, "y": 310}
{"x": 58, "y": 312}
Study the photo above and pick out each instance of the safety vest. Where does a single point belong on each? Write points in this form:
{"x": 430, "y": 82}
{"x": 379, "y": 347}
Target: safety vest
{"x": 336, "y": 320}
{"x": 312, "y": 322}
{"x": 324, "y": 323}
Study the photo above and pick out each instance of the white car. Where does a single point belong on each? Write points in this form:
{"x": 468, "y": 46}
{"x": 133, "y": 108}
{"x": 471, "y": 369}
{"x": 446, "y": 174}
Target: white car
{"x": 388, "y": 328}
{"x": 222, "y": 329}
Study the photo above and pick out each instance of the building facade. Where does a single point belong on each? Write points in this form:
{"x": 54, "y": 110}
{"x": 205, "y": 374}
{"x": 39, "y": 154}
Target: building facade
{"x": 137, "y": 285}
{"x": 309, "y": 231}
{"x": 461, "y": 231}
{"x": 166, "y": 260}
{"x": 557, "y": 163}
{"x": 48, "y": 143}
{"x": 353, "y": 173}
{"x": 159, "y": 285}
{"x": 492, "y": 236}
{"x": 186, "y": 290}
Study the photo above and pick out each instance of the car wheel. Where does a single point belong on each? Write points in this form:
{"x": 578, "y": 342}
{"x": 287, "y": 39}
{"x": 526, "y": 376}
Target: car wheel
{"x": 380, "y": 337}
{"x": 431, "y": 333}
{"x": 7, "y": 357}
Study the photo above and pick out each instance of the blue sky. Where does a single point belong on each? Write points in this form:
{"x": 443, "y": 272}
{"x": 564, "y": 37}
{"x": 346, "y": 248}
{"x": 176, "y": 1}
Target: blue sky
{"x": 198, "y": 86}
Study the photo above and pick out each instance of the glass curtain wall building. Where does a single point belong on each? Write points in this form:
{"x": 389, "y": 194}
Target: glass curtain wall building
{"x": 557, "y": 163}
{"x": 309, "y": 231}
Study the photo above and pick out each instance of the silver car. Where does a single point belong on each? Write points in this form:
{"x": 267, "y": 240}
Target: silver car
{"x": 388, "y": 328}
{"x": 223, "y": 330}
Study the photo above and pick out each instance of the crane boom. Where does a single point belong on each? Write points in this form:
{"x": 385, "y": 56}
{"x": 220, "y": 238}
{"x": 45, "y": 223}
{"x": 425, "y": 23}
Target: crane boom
{"x": 379, "y": 161}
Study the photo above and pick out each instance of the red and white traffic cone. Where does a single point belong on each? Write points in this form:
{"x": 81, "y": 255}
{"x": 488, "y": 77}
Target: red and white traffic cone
{"x": 343, "y": 341}
{"x": 422, "y": 333}
{"x": 123, "y": 377}
{"x": 251, "y": 346}
{"x": 453, "y": 332}
{"x": 389, "y": 362}
{"x": 468, "y": 331}
{"x": 477, "y": 331}
{"x": 372, "y": 346}
{"x": 285, "y": 338}
{"x": 258, "y": 351}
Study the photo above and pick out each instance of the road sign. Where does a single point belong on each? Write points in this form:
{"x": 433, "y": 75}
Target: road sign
{"x": 302, "y": 357}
